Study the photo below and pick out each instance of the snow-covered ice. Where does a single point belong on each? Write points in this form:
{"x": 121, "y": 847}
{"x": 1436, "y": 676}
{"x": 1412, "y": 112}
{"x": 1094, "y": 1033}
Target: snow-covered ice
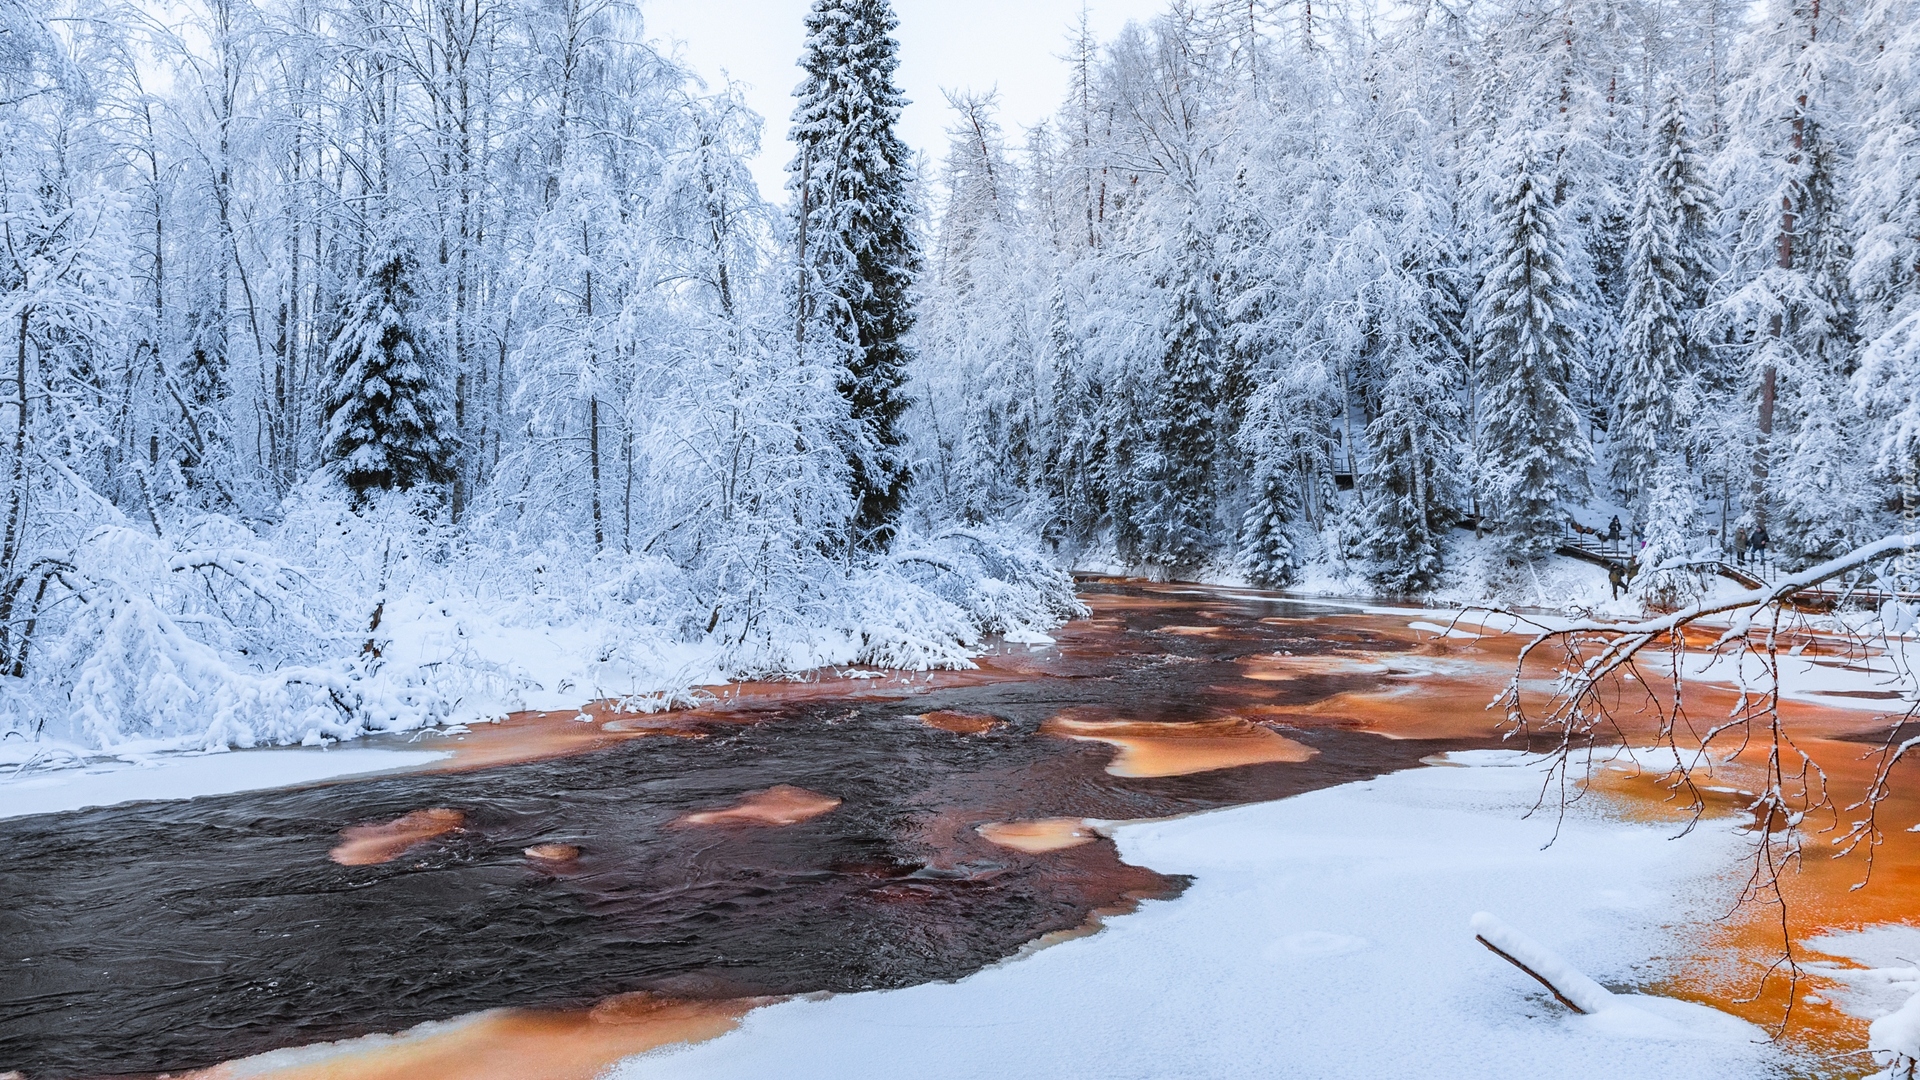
{"x": 1884, "y": 987}
{"x": 139, "y": 777}
{"x": 1324, "y": 936}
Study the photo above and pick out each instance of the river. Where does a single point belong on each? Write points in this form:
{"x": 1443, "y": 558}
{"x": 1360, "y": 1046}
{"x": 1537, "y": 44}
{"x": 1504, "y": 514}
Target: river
{"x": 608, "y": 883}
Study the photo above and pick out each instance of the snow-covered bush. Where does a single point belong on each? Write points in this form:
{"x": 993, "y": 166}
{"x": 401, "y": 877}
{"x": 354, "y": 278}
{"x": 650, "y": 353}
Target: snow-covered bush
{"x": 1000, "y": 583}
{"x": 341, "y": 620}
{"x": 1665, "y": 577}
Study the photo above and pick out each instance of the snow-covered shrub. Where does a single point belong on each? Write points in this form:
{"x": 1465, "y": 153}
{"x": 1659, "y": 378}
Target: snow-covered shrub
{"x": 1000, "y": 583}
{"x": 1665, "y": 577}
{"x": 340, "y": 620}
{"x": 202, "y": 636}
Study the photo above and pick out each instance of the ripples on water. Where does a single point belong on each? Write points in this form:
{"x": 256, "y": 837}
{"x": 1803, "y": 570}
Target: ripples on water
{"x": 823, "y": 845}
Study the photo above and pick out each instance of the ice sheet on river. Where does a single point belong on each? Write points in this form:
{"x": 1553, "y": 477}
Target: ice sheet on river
{"x": 1323, "y": 937}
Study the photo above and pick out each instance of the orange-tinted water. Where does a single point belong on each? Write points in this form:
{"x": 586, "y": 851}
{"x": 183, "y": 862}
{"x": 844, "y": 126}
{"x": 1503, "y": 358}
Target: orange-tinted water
{"x": 371, "y": 844}
{"x": 782, "y": 804}
{"x": 1040, "y": 836}
{"x": 508, "y": 1044}
{"x": 1165, "y": 749}
{"x": 960, "y": 723}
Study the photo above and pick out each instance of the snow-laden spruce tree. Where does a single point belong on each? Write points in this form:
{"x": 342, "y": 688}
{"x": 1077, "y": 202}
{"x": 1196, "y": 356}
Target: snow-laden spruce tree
{"x": 1535, "y": 455}
{"x": 385, "y": 427}
{"x": 1409, "y": 486}
{"x": 1179, "y": 529}
{"x": 852, "y": 182}
{"x": 1787, "y": 298}
{"x": 204, "y": 459}
{"x": 1669, "y": 269}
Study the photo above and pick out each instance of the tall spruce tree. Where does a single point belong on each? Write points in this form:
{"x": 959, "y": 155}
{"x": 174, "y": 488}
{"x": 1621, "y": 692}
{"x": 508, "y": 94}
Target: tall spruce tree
{"x": 857, "y": 254}
{"x": 1413, "y": 455}
{"x": 1669, "y": 268}
{"x": 1180, "y": 526}
{"x": 384, "y": 415}
{"x": 1781, "y": 175}
{"x": 1536, "y": 456}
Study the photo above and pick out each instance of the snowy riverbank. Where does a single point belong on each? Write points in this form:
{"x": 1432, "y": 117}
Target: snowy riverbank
{"x": 332, "y": 624}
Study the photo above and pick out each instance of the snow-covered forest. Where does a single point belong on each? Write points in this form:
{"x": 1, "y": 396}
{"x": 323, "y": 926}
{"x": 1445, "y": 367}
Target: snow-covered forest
{"x": 1517, "y": 262}
{"x": 377, "y": 363}
{"x": 373, "y": 363}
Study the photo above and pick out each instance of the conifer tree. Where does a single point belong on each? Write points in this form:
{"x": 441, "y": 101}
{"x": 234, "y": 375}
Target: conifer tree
{"x": 1670, "y": 518}
{"x": 1180, "y": 516}
{"x": 384, "y": 423}
{"x": 1780, "y": 171}
{"x": 1267, "y": 556}
{"x": 1413, "y": 454}
{"x": 856, "y": 249}
{"x": 1669, "y": 268}
{"x": 1536, "y": 456}
{"x": 203, "y": 392}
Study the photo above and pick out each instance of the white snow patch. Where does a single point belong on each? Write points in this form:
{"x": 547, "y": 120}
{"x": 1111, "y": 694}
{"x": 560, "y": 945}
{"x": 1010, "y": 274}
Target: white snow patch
{"x": 140, "y": 777}
{"x": 1323, "y": 937}
{"x": 1444, "y": 631}
{"x": 1632, "y": 1016}
{"x": 1894, "y": 1039}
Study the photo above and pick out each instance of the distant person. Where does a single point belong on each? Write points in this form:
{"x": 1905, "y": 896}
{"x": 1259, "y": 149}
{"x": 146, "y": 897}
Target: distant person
{"x": 1613, "y": 530}
{"x": 1759, "y": 543}
{"x": 1616, "y": 577}
{"x": 1740, "y": 544}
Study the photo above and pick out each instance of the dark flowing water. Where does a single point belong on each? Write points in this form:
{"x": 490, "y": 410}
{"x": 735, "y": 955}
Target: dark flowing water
{"x": 173, "y": 935}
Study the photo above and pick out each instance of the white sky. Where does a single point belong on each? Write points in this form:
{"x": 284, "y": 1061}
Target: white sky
{"x": 944, "y": 44}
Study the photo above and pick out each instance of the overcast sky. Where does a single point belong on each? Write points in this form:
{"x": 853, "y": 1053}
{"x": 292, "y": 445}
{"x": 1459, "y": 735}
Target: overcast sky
{"x": 944, "y": 45}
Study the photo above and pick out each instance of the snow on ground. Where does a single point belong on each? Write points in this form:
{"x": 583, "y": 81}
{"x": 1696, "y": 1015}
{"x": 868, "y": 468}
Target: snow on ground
{"x": 1324, "y": 936}
{"x": 30, "y": 786}
{"x": 1881, "y": 983}
{"x": 337, "y": 623}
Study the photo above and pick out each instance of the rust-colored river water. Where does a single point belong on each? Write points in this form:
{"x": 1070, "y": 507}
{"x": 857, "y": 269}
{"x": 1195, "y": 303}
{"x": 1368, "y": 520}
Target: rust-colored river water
{"x": 562, "y": 893}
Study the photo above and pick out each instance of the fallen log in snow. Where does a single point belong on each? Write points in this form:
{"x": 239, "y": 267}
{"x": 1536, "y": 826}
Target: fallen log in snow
{"x": 1575, "y": 990}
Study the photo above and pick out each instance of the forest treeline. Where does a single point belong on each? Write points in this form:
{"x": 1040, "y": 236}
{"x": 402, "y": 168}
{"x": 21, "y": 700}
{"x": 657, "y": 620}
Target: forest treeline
{"x": 1508, "y": 262}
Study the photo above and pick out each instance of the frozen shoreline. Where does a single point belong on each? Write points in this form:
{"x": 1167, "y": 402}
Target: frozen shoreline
{"x": 1325, "y": 935}
{"x": 107, "y": 781}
